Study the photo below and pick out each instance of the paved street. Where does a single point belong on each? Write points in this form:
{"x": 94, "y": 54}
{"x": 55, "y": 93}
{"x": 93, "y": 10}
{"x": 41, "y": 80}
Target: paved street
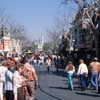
{"x": 53, "y": 86}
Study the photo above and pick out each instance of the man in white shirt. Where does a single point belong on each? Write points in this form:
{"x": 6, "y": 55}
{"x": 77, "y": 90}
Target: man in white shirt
{"x": 82, "y": 73}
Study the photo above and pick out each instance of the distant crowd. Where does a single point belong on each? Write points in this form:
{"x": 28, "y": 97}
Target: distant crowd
{"x": 88, "y": 75}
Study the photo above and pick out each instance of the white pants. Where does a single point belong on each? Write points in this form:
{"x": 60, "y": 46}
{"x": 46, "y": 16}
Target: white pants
{"x": 1, "y": 90}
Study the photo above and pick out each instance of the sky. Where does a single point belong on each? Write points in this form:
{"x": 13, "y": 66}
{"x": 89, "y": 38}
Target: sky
{"x": 36, "y": 15}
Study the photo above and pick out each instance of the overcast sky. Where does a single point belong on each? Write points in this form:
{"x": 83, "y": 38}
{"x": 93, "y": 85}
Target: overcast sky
{"x": 36, "y": 15}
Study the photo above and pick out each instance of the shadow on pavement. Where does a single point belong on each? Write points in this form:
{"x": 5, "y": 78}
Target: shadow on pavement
{"x": 49, "y": 94}
{"x": 36, "y": 99}
{"x": 77, "y": 88}
{"x": 60, "y": 73}
{"x": 88, "y": 94}
{"x": 64, "y": 88}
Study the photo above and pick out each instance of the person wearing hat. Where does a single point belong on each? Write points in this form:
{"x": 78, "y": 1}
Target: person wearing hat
{"x": 70, "y": 69}
{"x": 94, "y": 66}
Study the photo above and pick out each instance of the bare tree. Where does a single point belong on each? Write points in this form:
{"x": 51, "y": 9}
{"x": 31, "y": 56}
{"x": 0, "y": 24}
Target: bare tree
{"x": 60, "y": 27}
{"x": 15, "y": 29}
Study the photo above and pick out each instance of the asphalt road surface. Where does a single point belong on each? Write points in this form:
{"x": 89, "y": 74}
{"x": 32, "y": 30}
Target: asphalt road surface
{"x": 53, "y": 86}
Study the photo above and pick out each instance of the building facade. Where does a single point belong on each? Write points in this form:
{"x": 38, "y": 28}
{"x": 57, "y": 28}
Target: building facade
{"x": 9, "y": 44}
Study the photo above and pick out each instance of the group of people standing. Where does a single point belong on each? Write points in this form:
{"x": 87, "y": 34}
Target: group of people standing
{"x": 18, "y": 80}
{"x": 88, "y": 75}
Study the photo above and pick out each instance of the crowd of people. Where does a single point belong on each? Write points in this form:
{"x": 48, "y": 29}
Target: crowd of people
{"x": 87, "y": 74}
{"x": 18, "y": 79}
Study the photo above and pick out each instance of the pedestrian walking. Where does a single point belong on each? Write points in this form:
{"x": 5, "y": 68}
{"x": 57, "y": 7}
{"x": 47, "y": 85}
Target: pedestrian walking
{"x": 58, "y": 63}
{"x": 48, "y": 62}
{"x": 70, "y": 68}
{"x": 83, "y": 74}
{"x": 9, "y": 80}
{"x": 31, "y": 80}
{"x": 94, "y": 66}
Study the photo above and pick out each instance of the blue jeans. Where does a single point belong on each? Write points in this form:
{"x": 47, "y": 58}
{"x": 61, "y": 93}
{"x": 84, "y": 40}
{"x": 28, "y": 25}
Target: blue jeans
{"x": 83, "y": 81}
{"x": 70, "y": 81}
{"x": 94, "y": 80}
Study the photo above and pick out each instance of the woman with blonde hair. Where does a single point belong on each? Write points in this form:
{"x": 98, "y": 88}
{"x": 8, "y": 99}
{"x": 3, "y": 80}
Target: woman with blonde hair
{"x": 70, "y": 68}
